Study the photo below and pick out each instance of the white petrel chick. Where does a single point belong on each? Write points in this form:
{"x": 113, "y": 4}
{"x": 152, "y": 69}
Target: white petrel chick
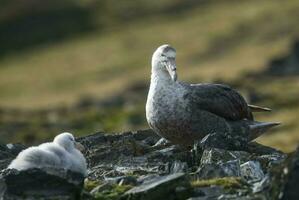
{"x": 62, "y": 153}
{"x": 183, "y": 113}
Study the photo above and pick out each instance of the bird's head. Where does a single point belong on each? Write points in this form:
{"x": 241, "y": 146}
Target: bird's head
{"x": 164, "y": 60}
{"x": 67, "y": 141}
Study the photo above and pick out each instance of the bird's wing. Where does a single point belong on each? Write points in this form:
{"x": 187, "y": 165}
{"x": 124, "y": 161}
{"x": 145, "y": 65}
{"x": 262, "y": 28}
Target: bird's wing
{"x": 220, "y": 100}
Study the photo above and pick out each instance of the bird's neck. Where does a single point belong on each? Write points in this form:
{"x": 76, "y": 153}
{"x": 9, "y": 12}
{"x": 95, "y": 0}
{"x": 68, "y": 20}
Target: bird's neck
{"x": 160, "y": 76}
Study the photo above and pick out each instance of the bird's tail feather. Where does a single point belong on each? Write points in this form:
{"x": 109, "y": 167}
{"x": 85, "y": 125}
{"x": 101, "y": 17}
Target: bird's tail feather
{"x": 254, "y": 108}
{"x": 259, "y": 128}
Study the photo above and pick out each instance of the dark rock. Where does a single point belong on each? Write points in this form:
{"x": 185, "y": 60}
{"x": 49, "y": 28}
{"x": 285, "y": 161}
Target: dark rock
{"x": 291, "y": 171}
{"x": 121, "y": 161}
{"x": 262, "y": 185}
{"x": 147, "y": 178}
{"x": 259, "y": 149}
{"x": 178, "y": 167}
{"x": 122, "y": 180}
{"x": 270, "y": 160}
{"x": 128, "y": 154}
{"x": 163, "y": 187}
{"x": 162, "y": 143}
{"x": 8, "y": 152}
{"x": 227, "y": 169}
{"x": 207, "y": 193}
{"x": 35, "y": 183}
{"x": 229, "y": 142}
{"x": 214, "y": 155}
{"x": 252, "y": 171}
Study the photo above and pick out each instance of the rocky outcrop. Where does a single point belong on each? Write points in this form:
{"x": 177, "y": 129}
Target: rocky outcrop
{"x": 138, "y": 165}
{"x": 35, "y": 183}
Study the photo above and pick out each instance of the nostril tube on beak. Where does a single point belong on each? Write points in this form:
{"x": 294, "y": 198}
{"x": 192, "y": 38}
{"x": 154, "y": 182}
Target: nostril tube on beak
{"x": 171, "y": 67}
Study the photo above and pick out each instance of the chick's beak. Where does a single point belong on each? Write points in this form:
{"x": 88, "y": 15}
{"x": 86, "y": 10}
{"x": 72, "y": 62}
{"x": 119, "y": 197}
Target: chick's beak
{"x": 79, "y": 146}
{"x": 171, "y": 68}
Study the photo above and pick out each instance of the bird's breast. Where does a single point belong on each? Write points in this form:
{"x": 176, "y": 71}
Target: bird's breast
{"x": 165, "y": 104}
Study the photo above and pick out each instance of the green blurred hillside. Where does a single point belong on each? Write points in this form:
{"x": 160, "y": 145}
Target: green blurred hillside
{"x": 91, "y": 72}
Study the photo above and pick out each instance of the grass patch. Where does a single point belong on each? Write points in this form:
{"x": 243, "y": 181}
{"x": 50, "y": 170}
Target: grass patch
{"x": 226, "y": 182}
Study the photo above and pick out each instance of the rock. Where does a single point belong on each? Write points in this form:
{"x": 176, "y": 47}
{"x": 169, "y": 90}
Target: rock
{"x": 227, "y": 169}
{"x": 8, "y": 152}
{"x": 291, "y": 171}
{"x": 163, "y": 187}
{"x": 116, "y": 163}
{"x": 147, "y": 178}
{"x": 162, "y": 143}
{"x": 206, "y": 193}
{"x": 271, "y": 160}
{"x": 215, "y": 155}
{"x": 261, "y": 185}
{"x": 252, "y": 171}
{"x": 229, "y": 142}
{"x": 101, "y": 188}
{"x": 122, "y": 180}
{"x": 35, "y": 183}
{"x": 178, "y": 167}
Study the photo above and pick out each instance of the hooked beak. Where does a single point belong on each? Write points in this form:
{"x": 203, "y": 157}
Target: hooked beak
{"x": 171, "y": 68}
{"x": 79, "y": 146}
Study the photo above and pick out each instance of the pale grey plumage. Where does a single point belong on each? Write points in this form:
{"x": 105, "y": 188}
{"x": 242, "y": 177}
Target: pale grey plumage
{"x": 61, "y": 154}
{"x": 183, "y": 112}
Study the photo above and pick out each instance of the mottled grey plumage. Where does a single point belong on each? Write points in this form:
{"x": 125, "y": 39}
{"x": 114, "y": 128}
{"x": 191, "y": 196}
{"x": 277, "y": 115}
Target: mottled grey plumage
{"x": 183, "y": 112}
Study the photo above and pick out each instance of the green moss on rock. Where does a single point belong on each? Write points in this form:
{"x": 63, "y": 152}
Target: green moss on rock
{"x": 89, "y": 185}
{"x": 226, "y": 182}
{"x": 113, "y": 194}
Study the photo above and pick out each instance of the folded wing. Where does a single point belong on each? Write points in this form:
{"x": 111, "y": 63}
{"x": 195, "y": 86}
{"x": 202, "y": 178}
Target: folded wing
{"x": 220, "y": 100}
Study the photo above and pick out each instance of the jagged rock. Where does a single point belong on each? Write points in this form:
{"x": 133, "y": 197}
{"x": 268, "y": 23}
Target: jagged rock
{"x": 129, "y": 154}
{"x": 35, "y": 183}
{"x": 146, "y": 178}
{"x": 226, "y": 169}
{"x": 215, "y": 155}
{"x": 178, "y": 167}
{"x": 229, "y": 142}
{"x": 262, "y": 185}
{"x": 252, "y": 171}
{"x": 119, "y": 162}
{"x": 121, "y": 180}
{"x": 207, "y": 193}
{"x": 271, "y": 160}
{"x": 162, "y": 143}
{"x": 163, "y": 187}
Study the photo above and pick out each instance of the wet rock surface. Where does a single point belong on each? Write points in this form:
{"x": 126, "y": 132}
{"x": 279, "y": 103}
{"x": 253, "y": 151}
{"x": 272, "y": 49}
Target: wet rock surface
{"x": 138, "y": 165}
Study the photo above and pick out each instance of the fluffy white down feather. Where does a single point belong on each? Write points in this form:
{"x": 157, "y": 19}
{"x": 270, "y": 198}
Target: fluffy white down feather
{"x": 61, "y": 153}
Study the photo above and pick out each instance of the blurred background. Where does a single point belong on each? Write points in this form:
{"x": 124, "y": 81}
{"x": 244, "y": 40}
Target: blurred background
{"x": 84, "y": 65}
